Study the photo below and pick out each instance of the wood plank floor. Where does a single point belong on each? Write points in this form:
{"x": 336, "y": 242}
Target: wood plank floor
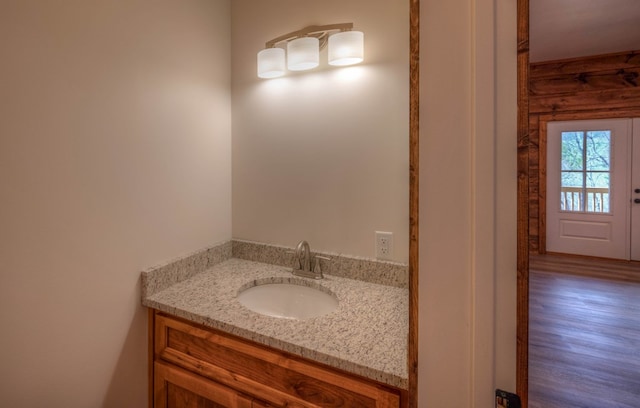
{"x": 584, "y": 333}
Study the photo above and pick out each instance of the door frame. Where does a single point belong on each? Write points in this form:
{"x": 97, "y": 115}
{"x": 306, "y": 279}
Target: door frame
{"x": 634, "y": 183}
{"x": 522, "y": 244}
{"x": 414, "y": 149}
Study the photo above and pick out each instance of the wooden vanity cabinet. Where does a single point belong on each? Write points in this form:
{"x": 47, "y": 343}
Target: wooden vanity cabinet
{"x": 198, "y": 367}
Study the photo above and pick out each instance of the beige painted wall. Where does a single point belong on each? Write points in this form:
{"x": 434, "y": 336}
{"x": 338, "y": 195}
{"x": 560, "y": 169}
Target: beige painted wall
{"x": 323, "y": 155}
{"x": 114, "y": 156}
{"x": 468, "y": 218}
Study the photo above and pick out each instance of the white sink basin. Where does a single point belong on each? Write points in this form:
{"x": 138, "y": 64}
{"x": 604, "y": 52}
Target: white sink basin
{"x": 287, "y": 300}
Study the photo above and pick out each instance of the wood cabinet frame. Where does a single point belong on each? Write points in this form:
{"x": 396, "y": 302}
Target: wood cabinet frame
{"x": 190, "y": 354}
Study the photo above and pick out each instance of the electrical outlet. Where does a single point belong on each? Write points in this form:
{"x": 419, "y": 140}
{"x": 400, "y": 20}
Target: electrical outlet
{"x": 384, "y": 245}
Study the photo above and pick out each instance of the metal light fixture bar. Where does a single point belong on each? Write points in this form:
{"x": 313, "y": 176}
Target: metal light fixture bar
{"x": 320, "y": 32}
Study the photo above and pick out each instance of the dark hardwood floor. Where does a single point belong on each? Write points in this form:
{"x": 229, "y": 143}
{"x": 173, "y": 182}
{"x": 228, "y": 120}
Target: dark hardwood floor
{"x": 584, "y": 333}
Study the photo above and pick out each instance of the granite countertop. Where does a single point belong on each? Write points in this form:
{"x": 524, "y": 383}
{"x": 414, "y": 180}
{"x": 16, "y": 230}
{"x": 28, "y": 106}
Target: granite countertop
{"x": 365, "y": 335}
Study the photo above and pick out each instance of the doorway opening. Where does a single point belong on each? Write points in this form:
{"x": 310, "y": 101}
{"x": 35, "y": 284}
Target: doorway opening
{"x": 594, "y": 87}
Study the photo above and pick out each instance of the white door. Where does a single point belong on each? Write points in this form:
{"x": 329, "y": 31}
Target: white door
{"x": 635, "y": 193}
{"x": 588, "y": 188}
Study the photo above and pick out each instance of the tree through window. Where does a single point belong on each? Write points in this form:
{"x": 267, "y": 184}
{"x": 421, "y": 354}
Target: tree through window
{"x": 586, "y": 171}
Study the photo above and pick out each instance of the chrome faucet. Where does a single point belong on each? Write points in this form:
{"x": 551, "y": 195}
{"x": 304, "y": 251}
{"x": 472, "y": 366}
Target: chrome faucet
{"x": 303, "y": 256}
{"x": 302, "y": 262}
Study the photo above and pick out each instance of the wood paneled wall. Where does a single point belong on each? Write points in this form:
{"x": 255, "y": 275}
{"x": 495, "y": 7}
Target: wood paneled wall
{"x": 605, "y": 86}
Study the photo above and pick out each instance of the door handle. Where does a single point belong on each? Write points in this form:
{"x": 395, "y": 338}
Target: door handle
{"x": 637, "y": 191}
{"x": 637, "y": 200}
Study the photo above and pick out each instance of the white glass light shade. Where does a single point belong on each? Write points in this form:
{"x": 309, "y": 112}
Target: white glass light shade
{"x": 346, "y": 48}
{"x": 303, "y": 53}
{"x": 271, "y": 63}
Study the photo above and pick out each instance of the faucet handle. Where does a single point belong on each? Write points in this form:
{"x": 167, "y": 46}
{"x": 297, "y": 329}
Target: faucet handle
{"x": 316, "y": 269}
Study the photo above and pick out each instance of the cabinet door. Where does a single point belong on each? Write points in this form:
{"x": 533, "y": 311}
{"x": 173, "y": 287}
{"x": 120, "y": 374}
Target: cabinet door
{"x": 177, "y": 388}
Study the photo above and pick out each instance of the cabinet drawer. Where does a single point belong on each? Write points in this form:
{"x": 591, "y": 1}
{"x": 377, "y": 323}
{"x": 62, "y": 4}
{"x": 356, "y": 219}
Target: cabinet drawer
{"x": 276, "y": 377}
{"x": 177, "y": 388}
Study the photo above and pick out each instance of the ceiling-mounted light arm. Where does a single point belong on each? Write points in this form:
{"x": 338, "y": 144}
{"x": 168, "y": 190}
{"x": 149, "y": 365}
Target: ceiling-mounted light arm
{"x": 320, "y": 32}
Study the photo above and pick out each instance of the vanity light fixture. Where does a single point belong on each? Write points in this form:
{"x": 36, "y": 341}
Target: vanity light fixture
{"x": 345, "y": 47}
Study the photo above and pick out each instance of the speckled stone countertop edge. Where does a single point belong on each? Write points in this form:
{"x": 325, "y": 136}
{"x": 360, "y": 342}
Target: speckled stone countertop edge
{"x": 377, "y": 351}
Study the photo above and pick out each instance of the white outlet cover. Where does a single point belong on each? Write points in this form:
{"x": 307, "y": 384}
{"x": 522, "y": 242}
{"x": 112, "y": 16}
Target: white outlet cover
{"x": 384, "y": 245}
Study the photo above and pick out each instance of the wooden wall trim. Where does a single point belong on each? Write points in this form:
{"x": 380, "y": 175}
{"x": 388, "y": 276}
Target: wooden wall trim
{"x": 591, "y": 83}
{"x": 541, "y": 183}
{"x": 629, "y": 112}
{"x": 620, "y": 60}
{"x": 588, "y": 101}
{"x": 414, "y": 132}
{"x": 522, "y": 308}
{"x": 620, "y": 79}
{"x": 534, "y": 174}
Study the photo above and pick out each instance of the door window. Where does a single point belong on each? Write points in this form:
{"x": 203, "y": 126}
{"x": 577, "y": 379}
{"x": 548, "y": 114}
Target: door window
{"x": 586, "y": 171}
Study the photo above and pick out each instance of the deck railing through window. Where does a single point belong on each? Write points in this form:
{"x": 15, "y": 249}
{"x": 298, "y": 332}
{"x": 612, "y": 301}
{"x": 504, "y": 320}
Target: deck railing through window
{"x": 572, "y": 199}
